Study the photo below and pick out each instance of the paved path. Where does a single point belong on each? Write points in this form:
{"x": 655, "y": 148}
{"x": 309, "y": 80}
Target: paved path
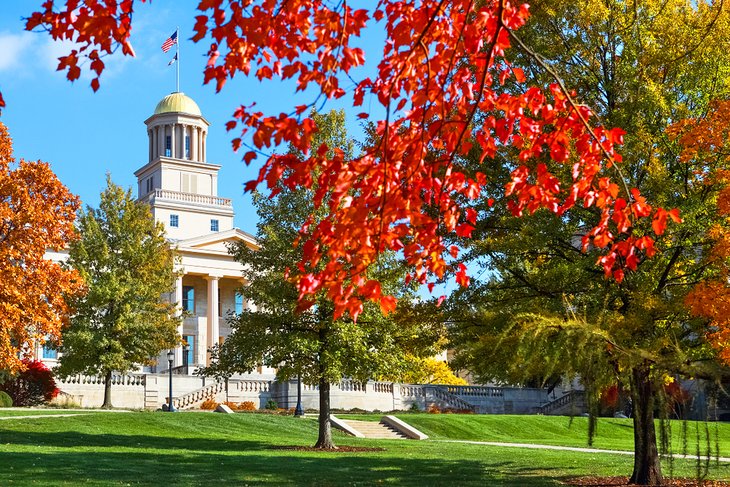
{"x": 562, "y": 448}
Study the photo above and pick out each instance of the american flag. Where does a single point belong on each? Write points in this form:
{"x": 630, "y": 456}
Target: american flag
{"x": 169, "y": 42}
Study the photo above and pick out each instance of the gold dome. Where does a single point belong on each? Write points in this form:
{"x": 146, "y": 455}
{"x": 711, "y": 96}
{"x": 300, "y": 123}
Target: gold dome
{"x": 177, "y": 102}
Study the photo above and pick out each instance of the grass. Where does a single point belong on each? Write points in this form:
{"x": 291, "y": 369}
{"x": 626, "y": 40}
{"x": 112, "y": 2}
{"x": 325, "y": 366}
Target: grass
{"x": 5, "y": 412}
{"x": 189, "y": 448}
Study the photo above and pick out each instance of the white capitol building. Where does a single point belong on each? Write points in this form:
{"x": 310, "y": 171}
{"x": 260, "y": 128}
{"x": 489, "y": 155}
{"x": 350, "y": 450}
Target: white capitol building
{"x": 181, "y": 187}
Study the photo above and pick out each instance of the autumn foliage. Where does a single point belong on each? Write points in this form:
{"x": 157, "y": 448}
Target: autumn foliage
{"x": 37, "y": 212}
{"x": 33, "y": 386}
{"x": 705, "y": 139}
{"x": 445, "y": 88}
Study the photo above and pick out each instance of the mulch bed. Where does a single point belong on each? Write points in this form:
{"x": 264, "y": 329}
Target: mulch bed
{"x": 613, "y": 481}
{"x": 340, "y": 449}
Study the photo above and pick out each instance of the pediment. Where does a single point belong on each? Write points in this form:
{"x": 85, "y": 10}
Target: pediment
{"x": 217, "y": 242}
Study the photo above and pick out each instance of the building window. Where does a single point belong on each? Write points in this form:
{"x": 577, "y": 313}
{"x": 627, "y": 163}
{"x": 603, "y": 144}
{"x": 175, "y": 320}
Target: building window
{"x": 188, "y": 299}
{"x": 188, "y": 358}
{"x": 187, "y": 146}
{"x": 220, "y": 303}
{"x": 214, "y": 225}
{"x": 238, "y": 303}
{"x": 49, "y": 352}
{"x": 174, "y": 221}
{"x": 150, "y": 184}
{"x": 168, "y": 146}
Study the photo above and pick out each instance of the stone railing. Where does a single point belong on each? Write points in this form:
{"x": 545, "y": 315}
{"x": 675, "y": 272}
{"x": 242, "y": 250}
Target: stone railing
{"x": 192, "y": 398}
{"x": 252, "y": 385}
{"x": 571, "y": 398}
{"x": 201, "y": 199}
{"x": 117, "y": 379}
{"x": 384, "y": 387}
{"x": 479, "y": 391}
{"x": 445, "y": 398}
{"x": 410, "y": 390}
{"x": 349, "y": 385}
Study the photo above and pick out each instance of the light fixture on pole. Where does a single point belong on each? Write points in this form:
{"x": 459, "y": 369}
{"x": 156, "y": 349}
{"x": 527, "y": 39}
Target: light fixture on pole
{"x": 299, "y": 411}
{"x": 170, "y": 358}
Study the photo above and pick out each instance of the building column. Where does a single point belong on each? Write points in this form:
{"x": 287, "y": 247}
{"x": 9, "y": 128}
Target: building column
{"x": 178, "y": 311}
{"x": 172, "y": 140}
{"x": 213, "y": 324}
{"x": 160, "y": 140}
{"x": 202, "y": 147}
{"x": 194, "y": 143}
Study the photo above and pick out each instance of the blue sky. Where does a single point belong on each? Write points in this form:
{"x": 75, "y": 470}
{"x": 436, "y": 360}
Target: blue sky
{"x": 84, "y": 135}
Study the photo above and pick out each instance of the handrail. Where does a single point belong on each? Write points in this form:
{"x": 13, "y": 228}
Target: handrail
{"x": 569, "y": 398}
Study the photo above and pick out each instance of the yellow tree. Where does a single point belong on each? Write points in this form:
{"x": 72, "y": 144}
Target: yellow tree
{"x": 37, "y": 213}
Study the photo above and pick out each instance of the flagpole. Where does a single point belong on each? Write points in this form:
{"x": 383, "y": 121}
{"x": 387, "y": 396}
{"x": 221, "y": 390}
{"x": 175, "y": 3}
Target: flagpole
{"x": 177, "y": 54}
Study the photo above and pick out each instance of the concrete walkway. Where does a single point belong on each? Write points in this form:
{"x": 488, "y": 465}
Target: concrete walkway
{"x": 61, "y": 414}
{"x": 562, "y": 448}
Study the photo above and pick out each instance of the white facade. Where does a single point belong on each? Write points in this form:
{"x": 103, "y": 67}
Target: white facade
{"x": 181, "y": 188}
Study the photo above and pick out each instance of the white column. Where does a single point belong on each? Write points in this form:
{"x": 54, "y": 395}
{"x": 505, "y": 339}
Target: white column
{"x": 213, "y": 325}
{"x": 161, "y": 140}
{"x": 202, "y": 146}
{"x": 194, "y": 143}
{"x": 172, "y": 140}
{"x": 178, "y": 310}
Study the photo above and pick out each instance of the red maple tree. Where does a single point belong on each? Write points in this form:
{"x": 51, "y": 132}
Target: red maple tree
{"x": 446, "y": 88}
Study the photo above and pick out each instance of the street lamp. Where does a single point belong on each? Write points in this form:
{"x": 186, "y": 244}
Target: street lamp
{"x": 299, "y": 411}
{"x": 170, "y": 358}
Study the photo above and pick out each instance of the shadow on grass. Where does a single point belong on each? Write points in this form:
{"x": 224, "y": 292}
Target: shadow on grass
{"x": 150, "y": 460}
{"x": 71, "y": 439}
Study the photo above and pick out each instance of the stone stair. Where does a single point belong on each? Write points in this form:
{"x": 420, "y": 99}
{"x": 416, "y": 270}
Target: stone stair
{"x": 371, "y": 429}
{"x": 572, "y": 404}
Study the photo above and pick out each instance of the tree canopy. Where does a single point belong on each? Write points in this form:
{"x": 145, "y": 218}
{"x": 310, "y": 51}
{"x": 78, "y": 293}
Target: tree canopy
{"x": 443, "y": 63}
{"x": 314, "y": 345}
{"x": 128, "y": 266}
{"x": 37, "y": 214}
{"x": 543, "y": 309}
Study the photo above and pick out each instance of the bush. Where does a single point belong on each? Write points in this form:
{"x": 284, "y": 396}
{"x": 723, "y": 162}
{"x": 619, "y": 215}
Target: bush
{"x": 31, "y": 387}
{"x": 5, "y": 400}
{"x": 434, "y": 409}
{"x": 247, "y": 406}
{"x": 209, "y": 405}
{"x": 271, "y": 404}
{"x": 414, "y": 408}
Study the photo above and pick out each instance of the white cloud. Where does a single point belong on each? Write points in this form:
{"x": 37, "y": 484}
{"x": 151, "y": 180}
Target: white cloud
{"x": 13, "y": 50}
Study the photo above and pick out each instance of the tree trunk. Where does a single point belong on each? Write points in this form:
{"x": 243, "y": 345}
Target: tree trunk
{"x": 325, "y": 430}
{"x": 107, "y": 391}
{"x": 647, "y": 468}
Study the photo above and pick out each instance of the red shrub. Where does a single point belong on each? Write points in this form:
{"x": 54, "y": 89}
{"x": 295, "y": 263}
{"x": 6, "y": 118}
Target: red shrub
{"x": 33, "y": 386}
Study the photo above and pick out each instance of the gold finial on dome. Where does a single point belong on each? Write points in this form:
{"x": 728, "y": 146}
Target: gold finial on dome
{"x": 177, "y": 102}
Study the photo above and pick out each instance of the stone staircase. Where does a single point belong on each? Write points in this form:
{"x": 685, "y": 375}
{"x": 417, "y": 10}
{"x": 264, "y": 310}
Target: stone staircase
{"x": 196, "y": 398}
{"x": 371, "y": 429}
{"x": 441, "y": 397}
{"x": 572, "y": 403}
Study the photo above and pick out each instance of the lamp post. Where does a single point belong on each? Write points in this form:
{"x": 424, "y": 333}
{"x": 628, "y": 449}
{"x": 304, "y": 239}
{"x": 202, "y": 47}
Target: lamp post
{"x": 299, "y": 411}
{"x": 170, "y": 358}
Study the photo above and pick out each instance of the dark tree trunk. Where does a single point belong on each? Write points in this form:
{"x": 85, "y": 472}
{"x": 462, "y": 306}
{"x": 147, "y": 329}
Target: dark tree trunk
{"x": 107, "y": 391}
{"x": 647, "y": 468}
{"x": 325, "y": 430}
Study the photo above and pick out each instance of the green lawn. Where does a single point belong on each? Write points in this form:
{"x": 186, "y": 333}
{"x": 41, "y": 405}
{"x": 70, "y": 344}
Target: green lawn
{"x": 6, "y": 412}
{"x": 245, "y": 449}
